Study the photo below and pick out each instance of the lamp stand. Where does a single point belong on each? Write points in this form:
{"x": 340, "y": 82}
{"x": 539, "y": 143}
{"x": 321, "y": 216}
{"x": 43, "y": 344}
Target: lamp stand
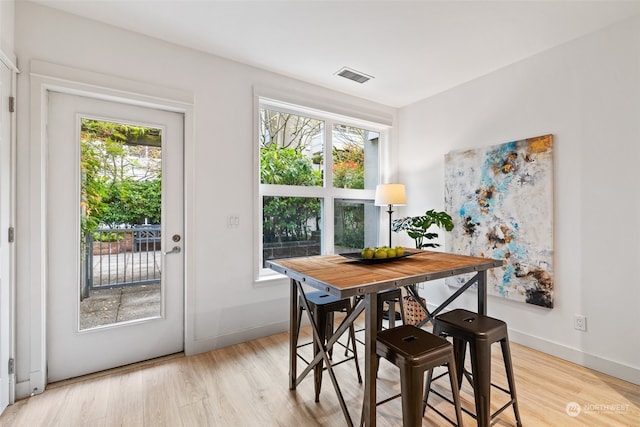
{"x": 390, "y": 212}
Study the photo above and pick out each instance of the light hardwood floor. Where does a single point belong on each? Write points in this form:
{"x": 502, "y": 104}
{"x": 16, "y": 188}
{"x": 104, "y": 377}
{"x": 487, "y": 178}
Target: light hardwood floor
{"x": 246, "y": 385}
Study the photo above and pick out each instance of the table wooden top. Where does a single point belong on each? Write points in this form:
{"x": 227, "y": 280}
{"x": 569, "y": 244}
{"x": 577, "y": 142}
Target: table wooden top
{"x": 344, "y": 277}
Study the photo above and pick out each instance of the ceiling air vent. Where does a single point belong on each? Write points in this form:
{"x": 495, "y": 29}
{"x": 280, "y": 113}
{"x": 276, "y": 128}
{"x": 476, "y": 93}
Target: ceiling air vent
{"x": 354, "y": 75}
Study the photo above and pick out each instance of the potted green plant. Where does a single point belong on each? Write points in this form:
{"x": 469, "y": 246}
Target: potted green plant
{"x": 418, "y": 228}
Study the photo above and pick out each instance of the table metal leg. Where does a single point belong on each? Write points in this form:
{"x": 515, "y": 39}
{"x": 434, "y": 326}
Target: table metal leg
{"x": 370, "y": 360}
{"x": 293, "y": 339}
{"x": 482, "y": 292}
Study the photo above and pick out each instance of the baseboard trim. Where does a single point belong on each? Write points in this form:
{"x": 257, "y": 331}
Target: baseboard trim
{"x": 574, "y": 355}
{"x": 22, "y": 390}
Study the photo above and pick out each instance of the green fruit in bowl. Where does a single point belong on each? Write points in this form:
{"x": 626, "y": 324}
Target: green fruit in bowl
{"x": 399, "y": 250}
{"x": 391, "y": 253}
{"x": 367, "y": 253}
{"x": 381, "y": 253}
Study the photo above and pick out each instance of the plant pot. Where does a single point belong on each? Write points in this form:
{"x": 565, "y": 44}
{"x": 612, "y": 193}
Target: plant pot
{"x": 413, "y": 313}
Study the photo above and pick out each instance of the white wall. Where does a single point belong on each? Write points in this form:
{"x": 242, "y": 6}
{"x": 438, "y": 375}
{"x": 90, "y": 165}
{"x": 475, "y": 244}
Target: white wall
{"x": 7, "y": 26}
{"x": 224, "y": 305}
{"x": 587, "y": 94}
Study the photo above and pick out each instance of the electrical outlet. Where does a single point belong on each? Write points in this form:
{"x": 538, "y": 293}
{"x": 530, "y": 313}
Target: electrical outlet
{"x": 580, "y": 322}
{"x": 233, "y": 221}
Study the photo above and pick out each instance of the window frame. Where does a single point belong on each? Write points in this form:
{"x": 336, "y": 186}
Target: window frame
{"x": 327, "y": 193}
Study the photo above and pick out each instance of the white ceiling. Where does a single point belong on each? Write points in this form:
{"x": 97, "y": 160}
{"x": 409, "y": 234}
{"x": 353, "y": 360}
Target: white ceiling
{"x": 414, "y": 49}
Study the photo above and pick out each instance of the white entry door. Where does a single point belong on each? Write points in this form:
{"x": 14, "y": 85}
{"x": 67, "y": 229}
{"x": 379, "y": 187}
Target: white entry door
{"x": 85, "y": 328}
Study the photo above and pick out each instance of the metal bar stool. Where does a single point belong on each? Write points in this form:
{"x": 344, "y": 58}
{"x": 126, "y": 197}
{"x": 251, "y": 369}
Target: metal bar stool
{"x": 480, "y": 332}
{"x": 323, "y": 306}
{"x": 390, "y": 297}
{"x": 415, "y": 351}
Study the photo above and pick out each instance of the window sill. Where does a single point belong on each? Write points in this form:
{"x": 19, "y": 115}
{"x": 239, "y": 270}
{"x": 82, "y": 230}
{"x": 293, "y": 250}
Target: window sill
{"x": 270, "y": 278}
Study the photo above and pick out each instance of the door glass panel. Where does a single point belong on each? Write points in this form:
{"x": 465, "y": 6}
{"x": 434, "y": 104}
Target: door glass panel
{"x": 120, "y": 214}
{"x": 291, "y": 227}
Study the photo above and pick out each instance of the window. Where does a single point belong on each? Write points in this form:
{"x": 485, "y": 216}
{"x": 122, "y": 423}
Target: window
{"x": 317, "y": 179}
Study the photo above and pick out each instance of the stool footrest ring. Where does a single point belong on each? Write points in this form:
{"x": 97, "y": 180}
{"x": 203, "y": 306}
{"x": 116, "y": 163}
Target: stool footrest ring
{"x": 474, "y": 416}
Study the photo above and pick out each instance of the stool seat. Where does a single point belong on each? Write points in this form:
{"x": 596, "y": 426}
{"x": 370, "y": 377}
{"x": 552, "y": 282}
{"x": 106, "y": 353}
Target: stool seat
{"x": 415, "y": 351}
{"x": 480, "y": 332}
{"x": 327, "y": 301}
{"x": 412, "y": 346}
{"x": 469, "y": 325}
{"x": 323, "y": 306}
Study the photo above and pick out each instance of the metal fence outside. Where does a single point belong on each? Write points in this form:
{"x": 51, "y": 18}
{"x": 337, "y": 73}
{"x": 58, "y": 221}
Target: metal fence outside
{"x": 116, "y": 257}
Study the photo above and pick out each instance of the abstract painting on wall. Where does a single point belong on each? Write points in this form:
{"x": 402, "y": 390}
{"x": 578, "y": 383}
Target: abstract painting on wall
{"x": 501, "y": 201}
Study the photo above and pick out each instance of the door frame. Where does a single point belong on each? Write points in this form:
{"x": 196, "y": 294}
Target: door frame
{"x": 46, "y": 77}
{"x": 8, "y": 305}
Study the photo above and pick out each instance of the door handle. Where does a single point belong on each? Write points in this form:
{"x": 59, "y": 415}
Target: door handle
{"x": 174, "y": 250}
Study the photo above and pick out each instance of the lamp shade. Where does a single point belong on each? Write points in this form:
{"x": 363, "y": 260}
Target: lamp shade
{"x": 391, "y": 194}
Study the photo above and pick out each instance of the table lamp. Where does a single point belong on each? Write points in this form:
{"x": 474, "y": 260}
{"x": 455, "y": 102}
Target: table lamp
{"x": 390, "y": 195}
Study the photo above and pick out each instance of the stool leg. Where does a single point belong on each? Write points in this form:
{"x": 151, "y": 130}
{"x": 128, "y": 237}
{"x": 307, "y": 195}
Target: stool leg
{"x": 411, "y": 388}
{"x": 401, "y": 303}
{"x": 459, "y": 352}
{"x": 380, "y": 304}
{"x": 297, "y": 331}
{"x": 351, "y": 336}
{"x": 455, "y": 392}
{"x": 506, "y": 356}
{"x": 329, "y": 331}
{"x": 392, "y": 313}
{"x": 481, "y": 371}
{"x": 427, "y": 388}
{"x": 346, "y": 347}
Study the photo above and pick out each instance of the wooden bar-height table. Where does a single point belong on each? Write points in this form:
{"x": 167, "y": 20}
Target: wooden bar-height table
{"x": 344, "y": 278}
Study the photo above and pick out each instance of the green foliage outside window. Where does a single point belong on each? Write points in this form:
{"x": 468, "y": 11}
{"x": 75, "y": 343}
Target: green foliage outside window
{"x": 287, "y": 166}
{"x": 348, "y": 167}
{"x": 121, "y": 174}
{"x": 287, "y": 218}
{"x": 350, "y": 217}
